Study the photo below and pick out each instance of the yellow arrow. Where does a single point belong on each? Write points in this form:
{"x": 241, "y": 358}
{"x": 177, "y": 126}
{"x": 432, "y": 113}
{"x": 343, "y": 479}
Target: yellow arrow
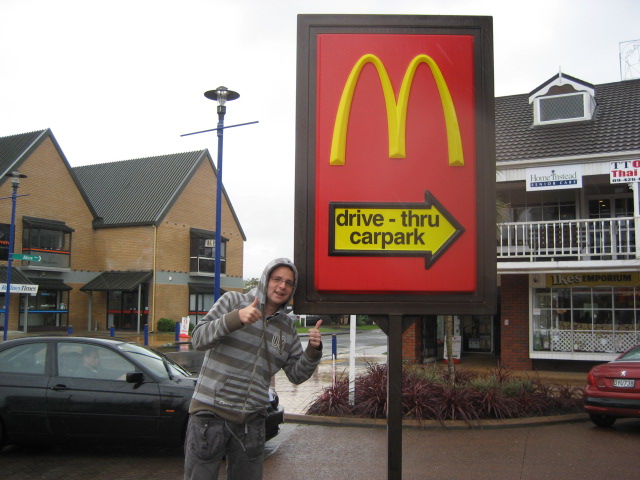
{"x": 392, "y": 229}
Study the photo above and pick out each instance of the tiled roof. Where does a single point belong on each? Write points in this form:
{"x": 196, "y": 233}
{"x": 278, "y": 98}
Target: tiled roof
{"x": 140, "y": 191}
{"x": 14, "y": 148}
{"x": 615, "y": 127}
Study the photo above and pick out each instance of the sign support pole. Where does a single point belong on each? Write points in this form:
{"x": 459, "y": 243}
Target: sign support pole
{"x": 394, "y": 398}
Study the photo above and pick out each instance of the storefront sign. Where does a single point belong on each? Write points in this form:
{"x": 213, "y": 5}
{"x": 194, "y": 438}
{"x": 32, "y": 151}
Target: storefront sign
{"x": 624, "y": 172}
{"x": 18, "y": 288}
{"x": 592, "y": 279}
{"x": 554, "y": 178}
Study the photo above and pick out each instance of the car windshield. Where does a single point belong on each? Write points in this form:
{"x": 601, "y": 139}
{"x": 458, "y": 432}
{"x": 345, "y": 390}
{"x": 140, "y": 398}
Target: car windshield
{"x": 155, "y": 362}
{"x": 633, "y": 354}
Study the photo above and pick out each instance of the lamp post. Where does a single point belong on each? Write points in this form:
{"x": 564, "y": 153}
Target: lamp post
{"x": 15, "y": 183}
{"x": 221, "y": 95}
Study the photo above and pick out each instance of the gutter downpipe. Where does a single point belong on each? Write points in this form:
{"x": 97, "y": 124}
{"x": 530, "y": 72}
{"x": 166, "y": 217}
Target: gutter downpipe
{"x": 152, "y": 320}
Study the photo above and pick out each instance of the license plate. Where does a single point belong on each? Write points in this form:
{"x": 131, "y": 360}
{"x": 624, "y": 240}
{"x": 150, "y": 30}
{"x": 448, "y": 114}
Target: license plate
{"x": 624, "y": 383}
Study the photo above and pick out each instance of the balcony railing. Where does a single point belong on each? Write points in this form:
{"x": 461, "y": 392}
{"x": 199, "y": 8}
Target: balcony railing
{"x": 599, "y": 239}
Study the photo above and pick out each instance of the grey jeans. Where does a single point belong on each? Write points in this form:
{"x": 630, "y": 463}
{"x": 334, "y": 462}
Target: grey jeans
{"x": 210, "y": 439}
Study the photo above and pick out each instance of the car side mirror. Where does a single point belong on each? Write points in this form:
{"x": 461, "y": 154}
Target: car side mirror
{"x": 135, "y": 377}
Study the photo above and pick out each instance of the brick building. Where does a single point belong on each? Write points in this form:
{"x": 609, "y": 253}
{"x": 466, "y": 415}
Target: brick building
{"x": 122, "y": 244}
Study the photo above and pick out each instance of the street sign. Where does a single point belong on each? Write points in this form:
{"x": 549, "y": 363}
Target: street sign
{"x": 26, "y": 258}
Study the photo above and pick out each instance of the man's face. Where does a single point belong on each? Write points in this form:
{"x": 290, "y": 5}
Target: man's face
{"x": 280, "y": 285}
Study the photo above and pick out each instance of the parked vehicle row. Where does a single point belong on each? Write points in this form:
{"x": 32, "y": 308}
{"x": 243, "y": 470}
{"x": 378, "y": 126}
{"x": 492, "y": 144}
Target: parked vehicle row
{"x": 75, "y": 388}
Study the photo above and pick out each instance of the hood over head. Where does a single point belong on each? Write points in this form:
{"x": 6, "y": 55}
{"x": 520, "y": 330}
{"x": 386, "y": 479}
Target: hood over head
{"x": 261, "y": 289}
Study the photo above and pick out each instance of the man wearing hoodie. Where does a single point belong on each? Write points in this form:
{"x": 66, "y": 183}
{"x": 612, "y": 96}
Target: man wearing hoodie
{"x": 247, "y": 339}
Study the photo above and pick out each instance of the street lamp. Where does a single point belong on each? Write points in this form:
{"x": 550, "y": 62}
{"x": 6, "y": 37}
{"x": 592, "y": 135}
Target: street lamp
{"x": 15, "y": 183}
{"x": 221, "y": 95}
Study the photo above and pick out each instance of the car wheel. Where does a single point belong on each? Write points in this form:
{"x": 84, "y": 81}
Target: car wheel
{"x": 602, "y": 420}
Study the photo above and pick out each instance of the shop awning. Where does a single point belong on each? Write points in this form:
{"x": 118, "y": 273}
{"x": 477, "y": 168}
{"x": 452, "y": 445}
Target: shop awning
{"x": 46, "y": 224}
{"x": 125, "y": 281}
{"x": 17, "y": 277}
{"x": 51, "y": 284}
{"x": 206, "y": 234}
{"x": 195, "y": 287}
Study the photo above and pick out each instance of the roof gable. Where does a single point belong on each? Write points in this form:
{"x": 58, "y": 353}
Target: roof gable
{"x": 614, "y": 128}
{"x": 139, "y": 191}
{"x": 16, "y": 149}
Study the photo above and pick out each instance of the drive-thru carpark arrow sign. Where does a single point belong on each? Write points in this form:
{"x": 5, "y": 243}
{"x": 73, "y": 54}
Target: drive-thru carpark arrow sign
{"x": 392, "y": 229}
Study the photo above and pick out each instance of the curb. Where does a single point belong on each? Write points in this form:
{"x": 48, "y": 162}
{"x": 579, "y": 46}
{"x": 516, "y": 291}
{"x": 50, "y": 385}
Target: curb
{"x": 434, "y": 424}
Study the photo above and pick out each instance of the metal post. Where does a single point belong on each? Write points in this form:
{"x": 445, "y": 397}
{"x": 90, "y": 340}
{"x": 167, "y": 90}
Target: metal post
{"x": 394, "y": 398}
{"x": 216, "y": 288}
{"x": 12, "y": 228}
{"x": 636, "y": 215}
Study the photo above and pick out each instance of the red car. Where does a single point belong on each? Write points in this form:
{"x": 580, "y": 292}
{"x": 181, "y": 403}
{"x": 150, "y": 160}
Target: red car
{"x": 613, "y": 389}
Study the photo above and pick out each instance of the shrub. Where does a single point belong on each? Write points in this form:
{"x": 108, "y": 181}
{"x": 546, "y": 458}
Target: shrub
{"x": 166, "y": 325}
{"x": 428, "y": 395}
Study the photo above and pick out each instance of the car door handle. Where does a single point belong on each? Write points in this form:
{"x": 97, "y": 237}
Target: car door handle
{"x": 59, "y": 387}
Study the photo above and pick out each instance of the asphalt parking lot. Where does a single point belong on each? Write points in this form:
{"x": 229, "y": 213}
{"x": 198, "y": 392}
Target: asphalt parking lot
{"x": 563, "y": 451}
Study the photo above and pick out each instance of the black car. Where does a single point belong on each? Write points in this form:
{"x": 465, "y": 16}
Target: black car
{"x": 53, "y": 389}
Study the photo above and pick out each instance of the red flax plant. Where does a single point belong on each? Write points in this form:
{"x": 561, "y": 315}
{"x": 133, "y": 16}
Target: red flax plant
{"x": 428, "y": 393}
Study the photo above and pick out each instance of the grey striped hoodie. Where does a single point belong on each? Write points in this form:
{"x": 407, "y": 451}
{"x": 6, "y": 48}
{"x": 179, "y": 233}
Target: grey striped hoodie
{"x": 241, "y": 359}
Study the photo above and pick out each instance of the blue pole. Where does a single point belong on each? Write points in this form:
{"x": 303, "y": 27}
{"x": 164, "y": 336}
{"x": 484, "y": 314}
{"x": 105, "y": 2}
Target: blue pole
{"x": 216, "y": 287}
{"x": 146, "y": 334}
{"x": 177, "y": 330}
{"x": 12, "y": 228}
{"x": 334, "y": 346}
{"x": 112, "y": 331}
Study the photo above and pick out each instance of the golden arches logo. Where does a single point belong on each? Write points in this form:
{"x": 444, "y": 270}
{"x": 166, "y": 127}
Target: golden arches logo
{"x": 396, "y": 112}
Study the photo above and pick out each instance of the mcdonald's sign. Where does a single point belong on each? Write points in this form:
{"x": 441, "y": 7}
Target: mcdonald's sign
{"x": 395, "y": 204}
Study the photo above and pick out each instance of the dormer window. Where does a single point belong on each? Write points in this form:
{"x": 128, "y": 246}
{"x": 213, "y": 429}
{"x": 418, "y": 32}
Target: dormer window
{"x": 562, "y": 99}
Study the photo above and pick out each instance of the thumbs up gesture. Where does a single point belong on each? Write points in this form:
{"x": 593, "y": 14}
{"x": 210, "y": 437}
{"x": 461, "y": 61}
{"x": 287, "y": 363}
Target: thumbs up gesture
{"x": 251, "y": 313}
{"x": 315, "y": 338}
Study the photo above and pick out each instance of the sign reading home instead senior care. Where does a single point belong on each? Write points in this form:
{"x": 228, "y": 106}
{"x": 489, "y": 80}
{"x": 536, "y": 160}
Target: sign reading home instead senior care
{"x": 554, "y": 178}
{"x": 626, "y": 171}
{"x": 395, "y": 173}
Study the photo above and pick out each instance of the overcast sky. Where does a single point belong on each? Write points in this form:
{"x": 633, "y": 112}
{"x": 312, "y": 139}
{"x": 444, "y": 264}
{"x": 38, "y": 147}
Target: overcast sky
{"x": 124, "y": 79}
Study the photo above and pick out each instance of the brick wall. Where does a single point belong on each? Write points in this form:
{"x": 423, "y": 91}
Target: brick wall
{"x": 53, "y": 194}
{"x": 412, "y": 342}
{"x": 514, "y": 322}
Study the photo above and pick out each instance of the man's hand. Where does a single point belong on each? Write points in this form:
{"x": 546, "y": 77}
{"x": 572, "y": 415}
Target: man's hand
{"x": 315, "y": 339}
{"x": 250, "y": 314}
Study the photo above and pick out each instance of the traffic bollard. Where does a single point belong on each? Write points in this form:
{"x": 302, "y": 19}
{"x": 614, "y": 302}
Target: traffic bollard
{"x": 146, "y": 334}
{"x": 112, "y": 331}
{"x": 69, "y": 330}
{"x": 177, "y": 332}
{"x": 334, "y": 346}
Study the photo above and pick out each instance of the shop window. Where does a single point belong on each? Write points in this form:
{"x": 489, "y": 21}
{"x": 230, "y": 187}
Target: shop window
{"x": 585, "y": 319}
{"x": 199, "y": 305}
{"x": 49, "y": 308}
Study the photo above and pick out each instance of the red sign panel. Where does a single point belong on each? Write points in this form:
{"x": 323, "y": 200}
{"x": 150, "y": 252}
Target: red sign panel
{"x": 392, "y": 190}
{"x": 368, "y": 167}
